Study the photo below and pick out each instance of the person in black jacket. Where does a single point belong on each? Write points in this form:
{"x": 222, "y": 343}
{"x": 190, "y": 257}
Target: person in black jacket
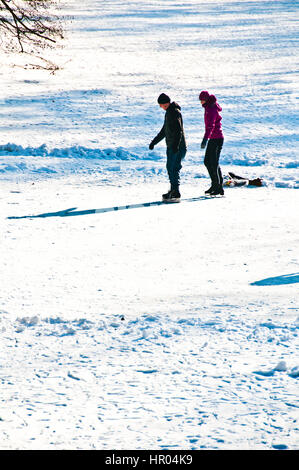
{"x": 173, "y": 132}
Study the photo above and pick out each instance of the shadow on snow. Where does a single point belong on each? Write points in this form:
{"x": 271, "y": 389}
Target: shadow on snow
{"x": 72, "y": 211}
{"x": 278, "y": 280}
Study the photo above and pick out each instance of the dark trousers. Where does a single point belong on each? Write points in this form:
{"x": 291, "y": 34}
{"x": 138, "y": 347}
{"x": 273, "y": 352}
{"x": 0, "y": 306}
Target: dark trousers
{"x": 174, "y": 166}
{"x": 211, "y": 161}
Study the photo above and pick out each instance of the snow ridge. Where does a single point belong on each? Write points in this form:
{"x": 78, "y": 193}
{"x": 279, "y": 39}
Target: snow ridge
{"x": 76, "y": 151}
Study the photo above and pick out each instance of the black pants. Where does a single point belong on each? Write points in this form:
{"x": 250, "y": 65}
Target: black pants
{"x": 174, "y": 165}
{"x": 211, "y": 161}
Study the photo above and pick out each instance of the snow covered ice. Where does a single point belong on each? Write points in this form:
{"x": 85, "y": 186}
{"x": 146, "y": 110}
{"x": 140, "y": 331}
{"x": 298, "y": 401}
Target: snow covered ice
{"x": 163, "y": 326}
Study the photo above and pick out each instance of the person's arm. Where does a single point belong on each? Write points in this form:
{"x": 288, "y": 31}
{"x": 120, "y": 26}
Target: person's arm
{"x": 211, "y": 115}
{"x": 160, "y": 136}
{"x": 176, "y": 127}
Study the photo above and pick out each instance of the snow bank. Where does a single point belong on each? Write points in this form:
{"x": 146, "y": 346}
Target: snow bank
{"x": 73, "y": 152}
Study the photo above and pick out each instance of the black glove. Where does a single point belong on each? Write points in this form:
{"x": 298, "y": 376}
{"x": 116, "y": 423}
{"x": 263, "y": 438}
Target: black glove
{"x": 151, "y": 146}
{"x": 203, "y": 143}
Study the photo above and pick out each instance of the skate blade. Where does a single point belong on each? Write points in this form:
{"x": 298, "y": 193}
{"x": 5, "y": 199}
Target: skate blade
{"x": 174, "y": 199}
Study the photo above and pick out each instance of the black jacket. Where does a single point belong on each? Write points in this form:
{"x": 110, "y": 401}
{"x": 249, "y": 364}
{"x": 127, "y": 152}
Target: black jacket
{"x": 173, "y": 129}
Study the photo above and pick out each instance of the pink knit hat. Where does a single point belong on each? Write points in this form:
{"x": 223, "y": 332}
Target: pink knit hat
{"x": 204, "y": 95}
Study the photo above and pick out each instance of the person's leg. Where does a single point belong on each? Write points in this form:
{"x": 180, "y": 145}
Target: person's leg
{"x": 218, "y": 151}
{"x": 211, "y": 162}
{"x": 218, "y": 143}
{"x": 174, "y": 165}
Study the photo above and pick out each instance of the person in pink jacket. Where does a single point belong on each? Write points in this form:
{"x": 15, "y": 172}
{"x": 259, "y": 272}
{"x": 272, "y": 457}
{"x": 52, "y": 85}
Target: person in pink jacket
{"x": 214, "y": 137}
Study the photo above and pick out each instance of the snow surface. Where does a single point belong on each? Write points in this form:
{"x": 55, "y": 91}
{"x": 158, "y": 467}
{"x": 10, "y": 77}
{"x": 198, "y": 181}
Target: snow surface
{"x": 163, "y": 326}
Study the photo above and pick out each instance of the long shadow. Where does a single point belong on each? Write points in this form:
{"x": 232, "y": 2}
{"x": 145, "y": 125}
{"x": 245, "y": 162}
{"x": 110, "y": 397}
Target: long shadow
{"x": 73, "y": 212}
{"x": 278, "y": 280}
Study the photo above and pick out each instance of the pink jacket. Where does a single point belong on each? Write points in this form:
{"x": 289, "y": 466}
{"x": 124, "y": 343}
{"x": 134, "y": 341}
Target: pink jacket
{"x": 212, "y": 119}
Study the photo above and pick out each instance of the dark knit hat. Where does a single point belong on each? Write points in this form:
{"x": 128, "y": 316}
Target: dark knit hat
{"x": 204, "y": 95}
{"x": 162, "y": 99}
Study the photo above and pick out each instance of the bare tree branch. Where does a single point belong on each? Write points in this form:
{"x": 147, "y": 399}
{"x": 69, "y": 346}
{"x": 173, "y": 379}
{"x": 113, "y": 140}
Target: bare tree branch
{"x": 29, "y": 23}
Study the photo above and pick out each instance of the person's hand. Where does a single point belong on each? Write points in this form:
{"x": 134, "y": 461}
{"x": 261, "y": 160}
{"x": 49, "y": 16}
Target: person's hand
{"x": 203, "y": 143}
{"x": 175, "y": 149}
{"x": 151, "y": 146}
